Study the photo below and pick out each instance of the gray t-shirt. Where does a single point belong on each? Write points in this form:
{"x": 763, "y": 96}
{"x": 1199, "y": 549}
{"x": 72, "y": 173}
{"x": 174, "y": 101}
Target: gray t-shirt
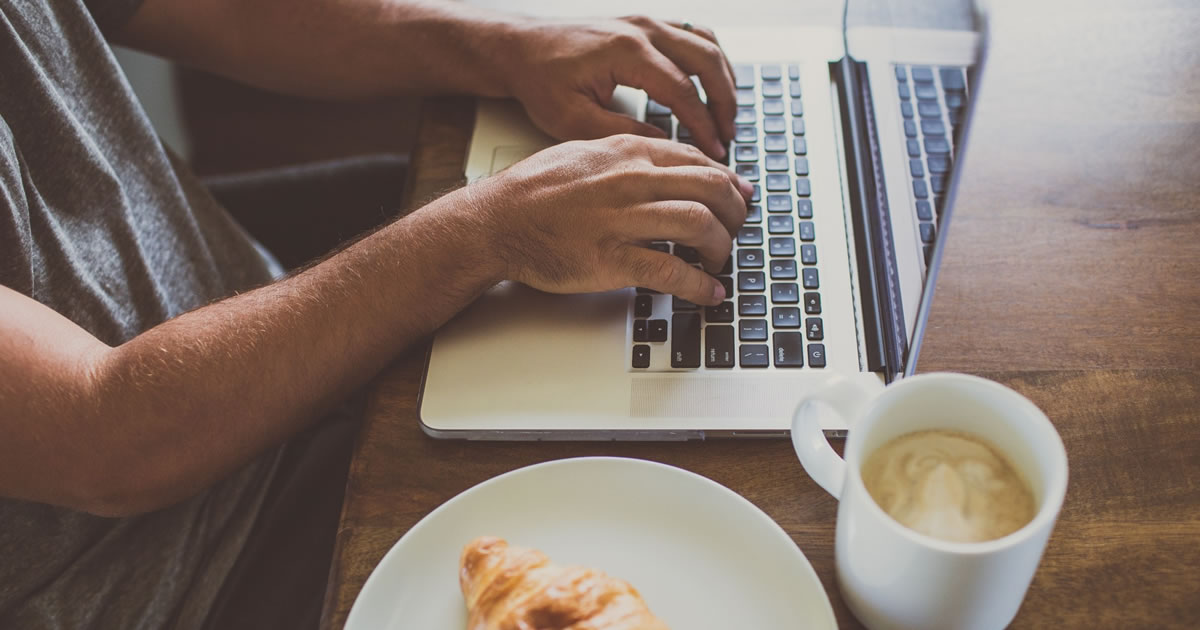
{"x": 99, "y": 222}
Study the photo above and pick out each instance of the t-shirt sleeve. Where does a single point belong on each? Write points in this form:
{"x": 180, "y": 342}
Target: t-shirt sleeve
{"x": 111, "y": 15}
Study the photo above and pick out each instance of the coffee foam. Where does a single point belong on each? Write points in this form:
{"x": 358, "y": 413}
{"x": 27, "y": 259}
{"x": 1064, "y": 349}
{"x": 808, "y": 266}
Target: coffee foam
{"x": 948, "y": 485}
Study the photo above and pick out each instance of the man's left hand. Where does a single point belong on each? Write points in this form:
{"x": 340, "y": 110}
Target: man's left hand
{"x": 565, "y": 74}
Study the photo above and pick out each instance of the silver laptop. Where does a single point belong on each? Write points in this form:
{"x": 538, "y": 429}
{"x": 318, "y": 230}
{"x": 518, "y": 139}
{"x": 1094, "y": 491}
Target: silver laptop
{"x": 855, "y": 158}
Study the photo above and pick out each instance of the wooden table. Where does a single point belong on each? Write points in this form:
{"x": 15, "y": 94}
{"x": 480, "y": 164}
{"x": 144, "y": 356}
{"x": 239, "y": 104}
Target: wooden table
{"x": 1072, "y": 275}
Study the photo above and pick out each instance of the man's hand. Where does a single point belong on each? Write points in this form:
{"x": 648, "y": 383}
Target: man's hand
{"x": 577, "y": 217}
{"x": 565, "y": 74}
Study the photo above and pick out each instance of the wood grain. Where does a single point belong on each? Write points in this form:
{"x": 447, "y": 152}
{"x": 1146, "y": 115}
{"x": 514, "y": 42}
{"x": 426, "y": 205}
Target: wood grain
{"x": 1071, "y": 276}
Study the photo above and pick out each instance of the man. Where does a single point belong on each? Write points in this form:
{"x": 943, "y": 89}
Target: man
{"x": 146, "y": 385}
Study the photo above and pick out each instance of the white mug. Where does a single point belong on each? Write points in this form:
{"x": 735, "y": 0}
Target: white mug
{"x": 892, "y": 576}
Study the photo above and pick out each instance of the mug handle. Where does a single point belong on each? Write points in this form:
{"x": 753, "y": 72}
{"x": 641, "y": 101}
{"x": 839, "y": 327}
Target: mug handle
{"x": 817, "y": 457}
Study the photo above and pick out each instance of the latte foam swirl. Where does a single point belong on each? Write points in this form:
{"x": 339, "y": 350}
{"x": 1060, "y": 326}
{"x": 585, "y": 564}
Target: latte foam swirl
{"x": 948, "y": 485}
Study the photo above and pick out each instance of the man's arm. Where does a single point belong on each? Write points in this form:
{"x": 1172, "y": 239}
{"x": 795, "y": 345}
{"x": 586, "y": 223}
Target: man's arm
{"x": 564, "y": 73}
{"x": 123, "y": 430}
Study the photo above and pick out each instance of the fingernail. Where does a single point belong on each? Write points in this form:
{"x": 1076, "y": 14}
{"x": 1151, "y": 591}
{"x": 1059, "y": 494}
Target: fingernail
{"x": 718, "y": 292}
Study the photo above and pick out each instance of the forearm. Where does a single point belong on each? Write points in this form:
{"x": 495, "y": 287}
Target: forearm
{"x": 333, "y": 48}
{"x": 185, "y": 403}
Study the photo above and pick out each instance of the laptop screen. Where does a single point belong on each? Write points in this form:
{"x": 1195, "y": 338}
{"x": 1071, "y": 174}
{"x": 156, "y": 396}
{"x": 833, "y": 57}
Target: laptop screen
{"x": 916, "y": 69}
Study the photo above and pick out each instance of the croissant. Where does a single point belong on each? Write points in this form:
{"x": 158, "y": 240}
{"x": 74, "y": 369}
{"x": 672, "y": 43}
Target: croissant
{"x": 512, "y": 588}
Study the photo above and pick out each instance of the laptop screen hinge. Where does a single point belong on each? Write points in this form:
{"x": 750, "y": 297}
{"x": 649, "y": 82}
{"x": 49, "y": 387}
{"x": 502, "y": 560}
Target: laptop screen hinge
{"x": 879, "y": 283}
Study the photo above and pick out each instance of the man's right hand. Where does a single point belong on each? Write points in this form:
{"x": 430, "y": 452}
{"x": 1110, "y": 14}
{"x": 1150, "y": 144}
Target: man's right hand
{"x": 577, "y": 217}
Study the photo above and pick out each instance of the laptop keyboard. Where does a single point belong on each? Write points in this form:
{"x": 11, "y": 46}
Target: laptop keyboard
{"x": 933, "y": 103}
{"x": 772, "y": 313}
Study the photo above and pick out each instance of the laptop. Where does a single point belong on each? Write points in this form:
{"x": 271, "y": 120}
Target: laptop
{"x": 855, "y": 160}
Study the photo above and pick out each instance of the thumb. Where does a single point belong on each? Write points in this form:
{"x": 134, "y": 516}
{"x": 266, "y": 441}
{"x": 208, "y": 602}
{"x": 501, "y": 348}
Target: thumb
{"x": 588, "y": 120}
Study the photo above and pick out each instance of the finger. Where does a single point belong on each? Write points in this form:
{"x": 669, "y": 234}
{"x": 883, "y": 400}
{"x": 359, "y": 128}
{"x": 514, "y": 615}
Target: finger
{"x": 588, "y": 120}
{"x": 708, "y": 186}
{"x": 688, "y": 223}
{"x": 653, "y": 72}
{"x": 696, "y": 55}
{"x": 670, "y": 274}
{"x": 668, "y": 153}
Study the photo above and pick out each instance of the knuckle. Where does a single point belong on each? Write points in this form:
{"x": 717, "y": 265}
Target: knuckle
{"x": 685, "y": 89}
{"x": 669, "y": 272}
{"x": 639, "y": 20}
{"x": 630, "y": 41}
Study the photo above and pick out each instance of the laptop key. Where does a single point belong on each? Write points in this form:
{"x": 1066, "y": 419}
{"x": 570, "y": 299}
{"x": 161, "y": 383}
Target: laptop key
{"x": 797, "y": 126}
{"x": 754, "y": 213}
{"x": 643, "y": 306}
{"x": 803, "y": 187}
{"x": 745, "y": 98}
{"x": 910, "y": 129}
{"x": 801, "y": 166}
{"x": 752, "y": 305}
{"x": 924, "y": 212}
{"x": 745, "y": 116}
{"x": 660, "y": 246}
{"x": 922, "y": 74}
{"x": 784, "y": 268}
{"x": 816, "y": 355}
{"x": 929, "y": 109}
{"x": 920, "y": 190}
{"x": 804, "y": 208}
{"x": 772, "y": 89}
{"x": 901, "y": 73}
{"x": 808, "y": 231}
{"x": 794, "y": 89}
{"x": 810, "y": 278}
{"x": 794, "y": 72}
{"x": 771, "y": 72}
{"x": 808, "y": 254}
{"x": 641, "y": 356}
{"x": 797, "y": 107}
{"x": 755, "y": 355}
{"x": 726, "y": 282}
{"x": 745, "y": 133}
{"x": 718, "y": 346}
{"x": 750, "y": 172}
{"x": 914, "y": 149}
{"x": 937, "y": 146}
{"x": 641, "y": 332}
{"x": 745, "y": 153}
{"x": 750, "y": 258}
{"x": 775, "y": 144}
{"x": 777, "y": 182}
{"x": 680, "y": 304}
{"x": 939, "y": 164}
{"x": 751, "y": 281}
{"x": 750, "y": 236}
{"x": 785, "y": 292}
{"x": 814, "y": 329}
{"x": 933, "y": 128}
{"x": 955, "y": 100}
{"x": 917, "y": 167}
{"x": 904, "y": 92}
{"x": 780, "y": 224}
{"x": 776, "y": 162}
{"x": 785, "y": 317}
{"x": 952, "y": 79}
{"x": 906, "y": 109}
{"x": 937, "y": 184}
{"x": 799, "y": 146}
{"x": 756, "y": 194}
{"x": 789, "y": 349}
{"x": 782, "y": 246}
{"x": 654, "y": 108}
{"x": 772, "y": 107}
{"x": 752, "y": 330}
{"x": 925, "y": 92}
{"x": 688, "y": 254}
{"x": 779, "y": 203}
{"x": 685, "y": 342}
{"x": 774, "y": 124}
{"x": 812, "y": 303}
{"x": 721, "y": 313}
{"x": 927, "y": 232}
{"x": 657, "y": 330}
{"x": 743, "y": 75}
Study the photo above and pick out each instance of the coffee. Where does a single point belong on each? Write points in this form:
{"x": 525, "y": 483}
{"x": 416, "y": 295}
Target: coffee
{"x": 948, "y": 485}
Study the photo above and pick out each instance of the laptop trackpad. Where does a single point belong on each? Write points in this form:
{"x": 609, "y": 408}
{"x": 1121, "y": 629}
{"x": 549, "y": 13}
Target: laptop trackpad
{"x": 517, "y": 348}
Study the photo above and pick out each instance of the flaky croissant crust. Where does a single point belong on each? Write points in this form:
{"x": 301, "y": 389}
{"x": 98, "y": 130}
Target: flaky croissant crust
{"x": 512, "y": 588}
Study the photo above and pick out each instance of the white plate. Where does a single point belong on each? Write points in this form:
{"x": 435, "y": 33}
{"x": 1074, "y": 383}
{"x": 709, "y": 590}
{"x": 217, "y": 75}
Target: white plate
{"x": 701, "y": 555}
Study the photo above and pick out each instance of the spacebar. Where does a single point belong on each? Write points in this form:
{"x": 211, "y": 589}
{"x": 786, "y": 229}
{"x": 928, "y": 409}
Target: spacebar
{"x": 685, "y": 340}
